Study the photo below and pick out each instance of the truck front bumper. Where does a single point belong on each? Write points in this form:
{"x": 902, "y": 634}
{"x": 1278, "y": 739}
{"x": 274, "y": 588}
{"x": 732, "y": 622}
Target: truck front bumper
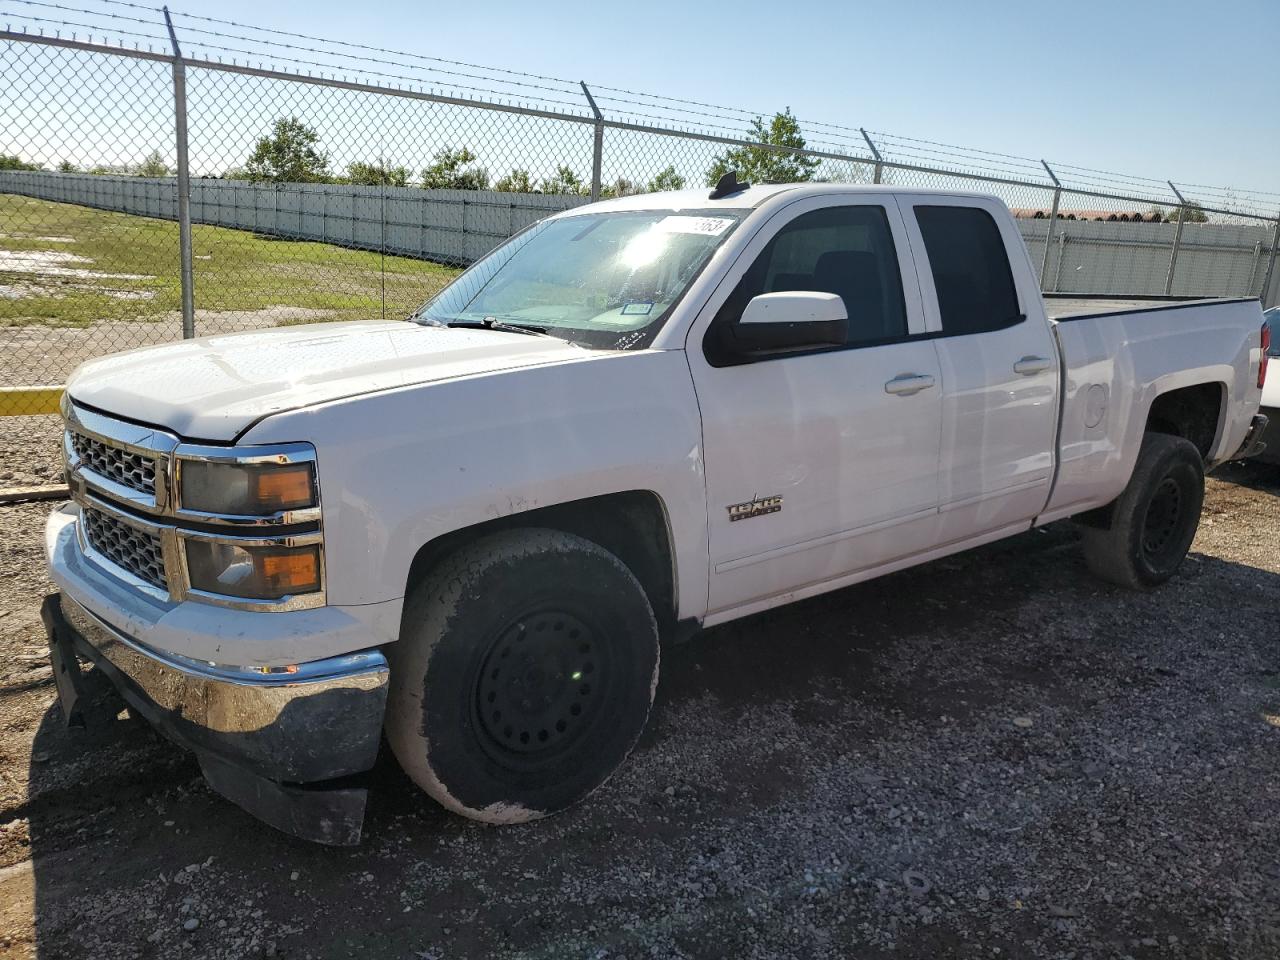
{"x": 271, "y": 741}
{"x": 282, "y": 734}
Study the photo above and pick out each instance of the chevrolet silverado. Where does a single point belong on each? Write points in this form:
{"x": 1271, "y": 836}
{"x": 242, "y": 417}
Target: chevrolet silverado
{"x": 471, "y": 529}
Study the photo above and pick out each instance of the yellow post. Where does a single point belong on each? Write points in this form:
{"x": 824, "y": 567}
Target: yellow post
{"x": 21, "y": 401}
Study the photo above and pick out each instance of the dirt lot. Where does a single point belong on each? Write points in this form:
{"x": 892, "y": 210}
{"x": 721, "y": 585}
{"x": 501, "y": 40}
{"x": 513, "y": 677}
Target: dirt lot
{"x": 990, "y": 756}
{"x": 30, "y": 451}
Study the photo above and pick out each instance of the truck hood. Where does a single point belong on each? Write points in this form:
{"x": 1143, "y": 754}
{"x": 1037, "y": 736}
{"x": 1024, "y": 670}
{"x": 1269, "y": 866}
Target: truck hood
{"x": 213, "y": 388}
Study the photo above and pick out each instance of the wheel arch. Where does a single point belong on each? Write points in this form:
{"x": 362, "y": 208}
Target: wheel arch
{"x": 1195, "y": 412}
{"x": 633, "y": 525}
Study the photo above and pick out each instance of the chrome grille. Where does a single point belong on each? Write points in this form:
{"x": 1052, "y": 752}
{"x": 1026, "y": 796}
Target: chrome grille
{"x": 133, "y": 470}
{"x": 134, "y": 550}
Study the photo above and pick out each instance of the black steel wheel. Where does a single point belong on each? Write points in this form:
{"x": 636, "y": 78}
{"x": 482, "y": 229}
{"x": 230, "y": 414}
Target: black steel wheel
{"x": 523, "y": 676}
{"x": 542, "y": 686}
{"x": 1152, "y": 523}
{"x": 1160, "y": 526}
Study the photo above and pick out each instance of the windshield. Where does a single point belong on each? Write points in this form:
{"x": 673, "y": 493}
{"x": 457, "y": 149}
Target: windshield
{"x": 600, "y": 279}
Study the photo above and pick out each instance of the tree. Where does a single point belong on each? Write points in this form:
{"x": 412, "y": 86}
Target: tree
{"x": 666, "y": 179}
{"x": 455, "y": 170}
{"x": 564, "y": 181}
{"x": 66, "y": 166}
{"x": 760, "y": 165}
{"x": 377, "y": 174}
{"x": 622, "y": 187}
{"x": 517, "y": 181}
{"x": 289, "y": 155}
{"x": 152, "y": 166}
{"x": 1195, "y": 214}
{"x": 12, "y": 161}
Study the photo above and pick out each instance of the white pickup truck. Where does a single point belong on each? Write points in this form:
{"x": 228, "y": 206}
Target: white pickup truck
{"x": 471, "y": 529}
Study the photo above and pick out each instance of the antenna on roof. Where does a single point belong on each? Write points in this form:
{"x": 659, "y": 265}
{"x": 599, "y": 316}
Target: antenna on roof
{"x": 727, "y": 186}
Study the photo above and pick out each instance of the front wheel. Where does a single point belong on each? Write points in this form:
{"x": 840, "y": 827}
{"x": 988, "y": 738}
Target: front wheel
{"x": 1154, "y": 520}
{"x": 523, "y": 676}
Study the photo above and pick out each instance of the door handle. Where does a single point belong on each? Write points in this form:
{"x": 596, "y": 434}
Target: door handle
{"x": 905, "y": 384}
{"x": 1030, "y": 366}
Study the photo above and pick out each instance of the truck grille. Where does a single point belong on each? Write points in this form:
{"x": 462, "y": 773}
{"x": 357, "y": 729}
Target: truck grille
{"x": 134, "y": 550}
{"x": 133, "y": 470}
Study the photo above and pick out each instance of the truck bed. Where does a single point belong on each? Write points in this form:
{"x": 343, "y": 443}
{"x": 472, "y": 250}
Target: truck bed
{"x": 1119, "y": 351}
{"x": 1077, "y": 306}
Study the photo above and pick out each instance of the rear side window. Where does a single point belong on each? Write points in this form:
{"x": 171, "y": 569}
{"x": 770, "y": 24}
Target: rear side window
{"x": 970, "y": 269}
{"x": 847, "y": 251}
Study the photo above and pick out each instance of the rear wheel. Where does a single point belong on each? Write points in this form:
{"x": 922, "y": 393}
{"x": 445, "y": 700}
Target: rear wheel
{"x": 523, "y": 676}
{"x": 1154, "y": 520}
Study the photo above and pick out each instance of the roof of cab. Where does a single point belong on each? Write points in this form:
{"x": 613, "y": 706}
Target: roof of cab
{"x": 693, "y": 199}
{"x": 754, "y": 196}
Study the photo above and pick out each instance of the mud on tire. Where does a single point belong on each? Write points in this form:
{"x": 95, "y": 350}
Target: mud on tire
{"x": 523, "y": 675}
{"x": 1154, "y": 520}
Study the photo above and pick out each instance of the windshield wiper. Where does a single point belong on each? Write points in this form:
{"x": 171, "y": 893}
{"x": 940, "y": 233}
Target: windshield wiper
{"x": 493, "y": 323}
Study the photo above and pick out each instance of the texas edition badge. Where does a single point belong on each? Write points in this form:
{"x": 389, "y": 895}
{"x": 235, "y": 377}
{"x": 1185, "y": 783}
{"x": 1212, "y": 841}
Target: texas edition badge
{"x": 754, "y": 508}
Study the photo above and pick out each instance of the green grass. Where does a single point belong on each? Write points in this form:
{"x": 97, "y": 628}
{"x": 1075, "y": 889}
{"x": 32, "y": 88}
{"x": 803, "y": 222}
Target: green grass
{"x": 133, "y": 271}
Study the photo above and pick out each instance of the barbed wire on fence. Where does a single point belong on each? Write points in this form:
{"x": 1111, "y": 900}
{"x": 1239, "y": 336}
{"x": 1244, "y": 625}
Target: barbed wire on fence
{"x": 533, "y": 89}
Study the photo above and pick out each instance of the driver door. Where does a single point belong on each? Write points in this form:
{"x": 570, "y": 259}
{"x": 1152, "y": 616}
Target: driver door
{"x": 820, "y": 463}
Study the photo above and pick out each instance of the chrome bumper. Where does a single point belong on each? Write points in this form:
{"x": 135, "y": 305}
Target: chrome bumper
{"x": 1254, "y": 443}
{"x": 262, "y": 734}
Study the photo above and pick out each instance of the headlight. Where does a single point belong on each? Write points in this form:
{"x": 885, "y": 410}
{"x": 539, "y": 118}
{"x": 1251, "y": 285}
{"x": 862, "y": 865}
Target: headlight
{"x": 245, "y": 489}
{"x": 253, "y": 572}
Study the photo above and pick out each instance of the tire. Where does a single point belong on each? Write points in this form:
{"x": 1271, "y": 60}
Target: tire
{"x": 502, "y": 745}
{"x": 1154, "y": 520}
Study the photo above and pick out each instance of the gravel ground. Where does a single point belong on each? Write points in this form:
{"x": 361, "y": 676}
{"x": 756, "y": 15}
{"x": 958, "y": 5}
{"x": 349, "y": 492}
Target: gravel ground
{"x": 993, "y": 755}
{"x": 30, "y": 451}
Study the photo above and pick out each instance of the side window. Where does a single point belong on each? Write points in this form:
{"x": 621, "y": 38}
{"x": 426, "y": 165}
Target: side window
{"x": 970, "y": 269}
{"x": 843, "y": 250}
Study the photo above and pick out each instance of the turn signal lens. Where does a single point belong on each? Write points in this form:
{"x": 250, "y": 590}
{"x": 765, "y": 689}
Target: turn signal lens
{"x": 245, "y": 489}
{"x": 282, "y": 488}
{"x": 252, "y": 572}
{"x": 294, "y": 571}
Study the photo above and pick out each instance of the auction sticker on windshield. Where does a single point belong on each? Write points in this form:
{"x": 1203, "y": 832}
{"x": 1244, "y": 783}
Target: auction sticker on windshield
{"x": 703, "y": 226}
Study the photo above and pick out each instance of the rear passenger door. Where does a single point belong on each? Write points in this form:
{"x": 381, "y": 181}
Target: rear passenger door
{"x": 822, "y": 462}
{"x": 999, "y": 370}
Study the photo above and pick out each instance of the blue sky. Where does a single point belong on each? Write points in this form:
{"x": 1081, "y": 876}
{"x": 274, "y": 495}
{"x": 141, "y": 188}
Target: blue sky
{"x": 1099, "y": 84}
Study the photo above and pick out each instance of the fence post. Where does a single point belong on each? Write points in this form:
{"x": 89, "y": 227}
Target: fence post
{"x": 1271, "y": 264}
{"x": 1062, "y": 255}
{"x": 597, "y": 149}
{"x": 879, "y": 171}
{"x": 1053, "y": 223}
{"x": 382, "y": 260}
{"x": 1177, "y": 238}
{"x": 184, "y": 184}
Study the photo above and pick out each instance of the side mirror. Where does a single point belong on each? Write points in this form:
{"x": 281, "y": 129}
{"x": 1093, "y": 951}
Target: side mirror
{"x": 791, "y": 320}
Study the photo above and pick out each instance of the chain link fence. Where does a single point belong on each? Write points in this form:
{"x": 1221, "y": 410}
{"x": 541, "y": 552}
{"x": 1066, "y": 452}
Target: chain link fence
{"x": 147, "y": 195}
